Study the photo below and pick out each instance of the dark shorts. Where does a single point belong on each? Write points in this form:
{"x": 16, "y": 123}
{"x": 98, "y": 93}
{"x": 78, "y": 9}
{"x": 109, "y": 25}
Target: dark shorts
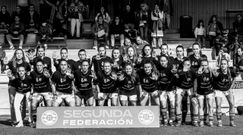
{"x": 128, "y": 93}
{"x": 85, "y": 94}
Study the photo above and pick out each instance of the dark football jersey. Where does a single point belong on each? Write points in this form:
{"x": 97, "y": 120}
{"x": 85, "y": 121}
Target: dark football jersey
{"x": 83, "y": 82}
{"x": 186, "y": 79}
{"x": 40, "y": 82}
{"x": 166, "y": 79}
{"x": 223, "y": 81}
{"x": 147, "y": 83}
{"x": 129, "y": 84}
{"x": 23, "y": 86}
{"x": 204, "y": 83}
{"x": 63, "y": 82}
{"x": 14, "y": 69}
{"x": 196, "y": 62}
{"x": 106, "y": 83}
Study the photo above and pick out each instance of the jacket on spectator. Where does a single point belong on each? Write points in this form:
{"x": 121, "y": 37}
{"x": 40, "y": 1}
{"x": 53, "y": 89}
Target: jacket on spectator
{"x": 116, "y": 29}
{"x": 238, "y": 27}
{"x": 128, "y": 17}
{"x": 101, "y": 28}
{"x": 5, "y": 18}
{"x": 16, "y": 27}
{"x": 32, "y": 21}
{"x": 21, "y": 16}
{"x": 105, "y": 16}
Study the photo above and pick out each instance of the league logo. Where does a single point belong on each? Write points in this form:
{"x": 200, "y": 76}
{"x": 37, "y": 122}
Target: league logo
{"x": 146, "y": 117}
{"x": 49, "y": 117}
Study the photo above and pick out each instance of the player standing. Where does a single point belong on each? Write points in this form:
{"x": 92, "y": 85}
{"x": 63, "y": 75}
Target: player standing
{"x": 166, "y": 82}
{"x": 223, "y": 79}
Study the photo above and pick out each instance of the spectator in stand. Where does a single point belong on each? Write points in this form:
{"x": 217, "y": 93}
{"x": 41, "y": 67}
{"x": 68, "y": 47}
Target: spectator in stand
{"x": 140, "y": 44}
{"x": 45, "y": 32}
{"x": 223, "y": 55}
{"x": 143, "y": 18}
{"x": 45, "y": 11}
{"x": 238, "y": 59}
{"x": 200, "y": 33}
{"x": 104, "y": 14}
{"x": 130, "y": 33}
{"x": 32, "y": 19}
{"x": 238, "y": 26}
{"x": 4, "y": 18}
{"x": 157, "y": 17}
{"x": 233, "y": 44}
{"x": 128, "y": 17}
{"x": 117, "y": 31}
{"x": 221, "y": 41}
{"x": 16, "y": 30}
{"x": 76, "y": 19}
{"x": 58, "y": 17}
{"x": 214, "y": 29}
{"x": 18, "y": 12}
{"x": 127, "y": 43}
{"x": 101, "y": 30}
{"x": 167, "y": 7}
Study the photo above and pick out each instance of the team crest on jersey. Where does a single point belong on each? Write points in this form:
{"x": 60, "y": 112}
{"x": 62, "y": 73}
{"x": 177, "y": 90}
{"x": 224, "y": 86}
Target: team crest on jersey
{"x": 106, "y": 80}
{"x": 188, "y": 79}
{"x": 163, "y": 74}
{"x": 205, "y": 79}
{"x": 84, "y": 80}
{"x": 79, "y": 67}
{"x": 23, "y": 85}
{"x": 63, "y": 79}
{"x": 145, "y": 81}
{"x": 194, "y": 63}
{"x": 129, "y": 82}
{"x": 225, "y": 80}
{"x": 38, "y": 79}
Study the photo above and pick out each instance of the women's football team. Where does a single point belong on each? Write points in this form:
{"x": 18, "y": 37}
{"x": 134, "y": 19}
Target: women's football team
{"x": 127, "y": 78}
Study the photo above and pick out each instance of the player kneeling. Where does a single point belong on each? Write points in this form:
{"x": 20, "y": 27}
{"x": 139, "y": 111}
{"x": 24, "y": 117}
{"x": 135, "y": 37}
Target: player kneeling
{"x": 62, "y": 86}
{"x": 148, "y": 80}
{"x": 128, "y": 83}
{"x": 166, "y": 90}
{"x": 84, "y": 84}
{"x": 204, "y": 92}
{"x": 106, "y": 85}
{"x": 41, "y": 91}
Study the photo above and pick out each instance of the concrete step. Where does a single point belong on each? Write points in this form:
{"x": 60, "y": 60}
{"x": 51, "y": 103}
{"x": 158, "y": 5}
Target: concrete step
{"x": 80, "y": 43}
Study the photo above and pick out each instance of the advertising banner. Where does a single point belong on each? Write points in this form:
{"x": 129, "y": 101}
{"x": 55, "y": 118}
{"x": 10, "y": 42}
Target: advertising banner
{"x": 98, "y": 117}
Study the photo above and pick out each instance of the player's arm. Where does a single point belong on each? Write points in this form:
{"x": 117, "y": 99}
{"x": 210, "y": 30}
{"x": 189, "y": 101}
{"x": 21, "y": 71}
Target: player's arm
{"x": 140, "y": 89}
{"x": 74, "y": 89}
{"x": 53, "y": 87}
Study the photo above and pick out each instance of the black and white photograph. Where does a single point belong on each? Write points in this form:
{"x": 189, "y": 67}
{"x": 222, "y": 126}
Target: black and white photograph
{"x": 121, "y": 67}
